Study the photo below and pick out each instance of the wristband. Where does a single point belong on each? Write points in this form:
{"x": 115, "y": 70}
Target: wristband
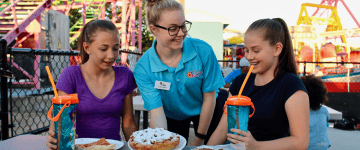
{"x": 201, "y": 136}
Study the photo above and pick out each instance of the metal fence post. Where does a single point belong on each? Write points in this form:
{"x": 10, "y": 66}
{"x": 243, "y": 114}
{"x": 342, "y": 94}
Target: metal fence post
{"x": 4, "y": 93}
{"x": 304, "y": 68}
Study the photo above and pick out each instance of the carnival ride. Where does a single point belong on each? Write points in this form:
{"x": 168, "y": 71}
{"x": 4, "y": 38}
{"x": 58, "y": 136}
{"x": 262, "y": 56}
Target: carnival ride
{"x": 20, "y": 24}
{"x": 331, "y": 21}
{"x": 325, "y": 31}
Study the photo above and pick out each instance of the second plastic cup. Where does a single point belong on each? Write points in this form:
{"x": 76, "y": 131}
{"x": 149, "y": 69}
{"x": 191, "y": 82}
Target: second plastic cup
{"x": 64, "y": 107}
{"x": 238, "y": 113}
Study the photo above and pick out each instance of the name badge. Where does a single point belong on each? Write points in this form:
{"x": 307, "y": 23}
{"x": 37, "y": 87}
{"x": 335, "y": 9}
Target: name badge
{"x": 162, "y": 85}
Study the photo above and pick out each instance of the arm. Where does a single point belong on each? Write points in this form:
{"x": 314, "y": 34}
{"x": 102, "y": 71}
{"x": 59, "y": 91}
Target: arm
{"x": 219, "y": 135}
{"x": 326, "y": 113}
{"x": 157, "y": 118}
{"x": 206, "y": 115}
{"x": 227, "y": 85}
{"x": 151, "y": 97}
{"x": 128, "y": 121}
{"x": 297, "y": 110}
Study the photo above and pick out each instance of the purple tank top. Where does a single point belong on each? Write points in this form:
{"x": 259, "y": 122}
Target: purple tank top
{"x": 97, "y": 118}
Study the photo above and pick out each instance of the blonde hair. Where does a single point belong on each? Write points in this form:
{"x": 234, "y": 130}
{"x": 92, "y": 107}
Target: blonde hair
{"x": 154, "y": 8}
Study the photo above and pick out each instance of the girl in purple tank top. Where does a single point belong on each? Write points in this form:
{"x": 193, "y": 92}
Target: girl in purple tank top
{"x": 104, "y": 90}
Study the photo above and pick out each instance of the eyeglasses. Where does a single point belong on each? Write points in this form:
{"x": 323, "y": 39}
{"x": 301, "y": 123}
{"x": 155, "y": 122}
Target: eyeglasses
{"x": 174, "y": 30}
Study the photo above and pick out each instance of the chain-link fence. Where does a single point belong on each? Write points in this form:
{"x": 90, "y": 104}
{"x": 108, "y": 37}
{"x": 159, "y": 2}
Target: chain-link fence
{"x": 26, "y": 91}
{"x": 29, "y": 91}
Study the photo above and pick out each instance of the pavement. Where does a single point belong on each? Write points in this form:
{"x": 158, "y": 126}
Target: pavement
{"x": 343, "y": 139}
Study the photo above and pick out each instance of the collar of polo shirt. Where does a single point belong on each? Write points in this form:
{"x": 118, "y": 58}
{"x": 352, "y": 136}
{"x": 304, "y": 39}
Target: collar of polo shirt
{"x": 188, "y": 54}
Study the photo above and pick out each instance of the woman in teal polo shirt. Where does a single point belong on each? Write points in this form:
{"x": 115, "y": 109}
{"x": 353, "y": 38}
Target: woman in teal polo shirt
{"x": 178, "y": 77}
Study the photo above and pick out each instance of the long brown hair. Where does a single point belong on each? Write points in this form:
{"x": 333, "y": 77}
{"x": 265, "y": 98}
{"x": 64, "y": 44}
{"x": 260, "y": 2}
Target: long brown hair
{"x": 276, "y": 31}
{"x": 88, "y": 32}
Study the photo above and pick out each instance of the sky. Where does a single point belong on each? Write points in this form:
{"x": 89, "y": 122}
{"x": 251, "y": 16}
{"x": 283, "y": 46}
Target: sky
{"x": 244, "y": 12}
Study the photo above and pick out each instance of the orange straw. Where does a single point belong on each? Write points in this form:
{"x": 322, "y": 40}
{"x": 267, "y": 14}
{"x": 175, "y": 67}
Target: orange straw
{"x": 51, "y": 80}
{"x": 246, "y": 78}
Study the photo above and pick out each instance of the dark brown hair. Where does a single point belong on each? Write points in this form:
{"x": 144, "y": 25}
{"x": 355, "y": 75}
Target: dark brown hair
{"x": 88, "y": 33}
{"x": 316, "y": 89}
{"x": 276, "y": 31}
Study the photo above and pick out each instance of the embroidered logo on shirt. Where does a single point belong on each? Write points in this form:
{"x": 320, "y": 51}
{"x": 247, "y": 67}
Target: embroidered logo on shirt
{"x": 193, "y": 74}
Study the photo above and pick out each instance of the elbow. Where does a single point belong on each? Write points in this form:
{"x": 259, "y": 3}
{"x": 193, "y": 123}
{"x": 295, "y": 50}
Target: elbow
{"x": 302, "y": 143}
{"x": 128, "y": 122}
{"x": 303, "y": 146}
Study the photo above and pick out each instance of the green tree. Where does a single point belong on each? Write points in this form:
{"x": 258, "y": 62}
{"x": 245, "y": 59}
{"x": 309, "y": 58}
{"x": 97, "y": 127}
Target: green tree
{"x": 237, "y": 39}
{"x": 74, "y": 16}
{"x": 147, "y": 38}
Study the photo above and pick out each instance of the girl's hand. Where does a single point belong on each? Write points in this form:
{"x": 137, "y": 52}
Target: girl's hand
{"x": 51, "y": 143}
{"x": 197, "y": 142}
{"x": 246, "y": 139}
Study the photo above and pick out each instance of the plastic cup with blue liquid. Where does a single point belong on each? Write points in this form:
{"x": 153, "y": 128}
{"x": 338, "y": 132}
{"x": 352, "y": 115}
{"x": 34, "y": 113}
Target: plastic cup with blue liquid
{"x": 64, "y": 107}
{"x": 238, "y": 113}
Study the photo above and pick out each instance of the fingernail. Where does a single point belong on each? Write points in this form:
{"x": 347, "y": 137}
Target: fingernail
{"x": 54, "y": 147}
{"x": 55, "y": 141}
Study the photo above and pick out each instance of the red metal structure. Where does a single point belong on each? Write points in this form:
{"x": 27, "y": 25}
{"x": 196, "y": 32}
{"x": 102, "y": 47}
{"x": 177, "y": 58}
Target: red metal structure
{"x": 20, "y": 22}
{"x": 334, "y": 3}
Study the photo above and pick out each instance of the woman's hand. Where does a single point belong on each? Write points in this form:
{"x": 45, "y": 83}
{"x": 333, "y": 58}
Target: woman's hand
{"x": 51, "y": 143}
{"x": 246, "y": 139}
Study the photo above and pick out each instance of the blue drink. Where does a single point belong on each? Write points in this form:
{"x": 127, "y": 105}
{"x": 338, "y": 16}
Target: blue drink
{"x": 238, "y": 111}
{"x": 238, "y": 117}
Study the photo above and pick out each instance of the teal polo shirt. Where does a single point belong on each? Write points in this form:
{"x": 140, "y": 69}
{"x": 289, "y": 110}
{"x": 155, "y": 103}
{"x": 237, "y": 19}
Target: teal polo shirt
{"x": 198, "y": 72}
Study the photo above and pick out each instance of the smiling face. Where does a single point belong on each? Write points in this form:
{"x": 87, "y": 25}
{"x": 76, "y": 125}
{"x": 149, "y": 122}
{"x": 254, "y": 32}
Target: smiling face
{"x": 104, "y": 50}
{"x": 164, "y": 40}
{"x": 260, "y": 53}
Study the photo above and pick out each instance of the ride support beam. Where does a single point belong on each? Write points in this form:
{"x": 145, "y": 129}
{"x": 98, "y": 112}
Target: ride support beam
{"x": 352, "y": 16}
{"x": 139, "y": 26}
{"x": 13, "y": 33}
{"x": 84, "y": 12}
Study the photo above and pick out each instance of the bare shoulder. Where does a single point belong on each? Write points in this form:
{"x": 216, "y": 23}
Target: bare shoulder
{"x": 299, "y": 97}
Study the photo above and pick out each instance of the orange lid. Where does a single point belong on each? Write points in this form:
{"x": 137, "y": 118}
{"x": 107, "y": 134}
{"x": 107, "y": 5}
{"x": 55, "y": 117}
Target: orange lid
{"x": 243, "y": 101}
{"x": 73, "y": 98}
